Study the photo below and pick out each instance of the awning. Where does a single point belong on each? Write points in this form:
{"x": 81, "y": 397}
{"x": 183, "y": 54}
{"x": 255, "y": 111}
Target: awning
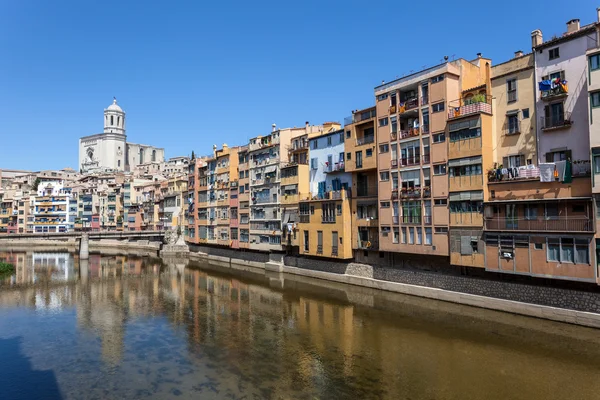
{"x": 457, "y": 126}
{"x": 512, "y": 112}
{"x": 270, "y": 168}
{"x": 463, "y": 196}
{"x": 290, "y": 187}
{"x": 290, "y": 216}
{"x": 465, "y": 161}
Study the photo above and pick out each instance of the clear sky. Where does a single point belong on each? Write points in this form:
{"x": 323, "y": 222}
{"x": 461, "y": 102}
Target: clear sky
{"x": 190, "y": 74}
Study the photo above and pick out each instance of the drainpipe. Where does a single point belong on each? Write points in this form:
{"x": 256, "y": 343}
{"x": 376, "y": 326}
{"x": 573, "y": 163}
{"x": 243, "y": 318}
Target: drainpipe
{"x": 537, "y": 136}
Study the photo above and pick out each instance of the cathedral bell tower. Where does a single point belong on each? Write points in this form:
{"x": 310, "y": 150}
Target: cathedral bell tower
{"x": 114, "y": 119}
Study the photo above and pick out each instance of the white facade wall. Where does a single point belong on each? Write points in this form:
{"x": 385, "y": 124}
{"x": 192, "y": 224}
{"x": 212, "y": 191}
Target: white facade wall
{"x": 322, "y": 154}
{"x": 573, "y": 62}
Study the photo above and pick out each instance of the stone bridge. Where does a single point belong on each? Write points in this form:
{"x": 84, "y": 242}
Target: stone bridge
{"x": 151, "y": 236}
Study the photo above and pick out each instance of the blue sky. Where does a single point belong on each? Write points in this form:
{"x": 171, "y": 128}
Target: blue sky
{"x": 189, "y": 74}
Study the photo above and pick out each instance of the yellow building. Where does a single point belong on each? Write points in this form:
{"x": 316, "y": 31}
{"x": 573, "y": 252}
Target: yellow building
{"x": 324, "y": 227}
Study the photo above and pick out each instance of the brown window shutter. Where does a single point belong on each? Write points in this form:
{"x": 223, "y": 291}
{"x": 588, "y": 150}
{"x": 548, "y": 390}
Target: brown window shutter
{"x": 549, "y": 157}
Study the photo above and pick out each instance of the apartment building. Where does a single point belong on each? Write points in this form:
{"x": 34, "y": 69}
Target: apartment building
{"x": 174, "y": 195}
{"x": 226, "y": 171}
{"x": 54, "y": 208}
{"x": 243, "y": 198}
{"x": 420, "y": 125}
{"x": 325, "y": 211}
{"x": 541, "y": 221}
{"x": 191, "y": 228}
{"x": 360, "y": 147}
{"x": 8, "y": 214}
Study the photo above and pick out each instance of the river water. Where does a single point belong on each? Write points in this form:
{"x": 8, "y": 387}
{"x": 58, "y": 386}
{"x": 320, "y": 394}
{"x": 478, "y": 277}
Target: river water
{"x": 134, "y": 328}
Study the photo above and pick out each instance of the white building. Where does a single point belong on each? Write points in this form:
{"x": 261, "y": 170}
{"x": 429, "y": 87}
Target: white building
{"x": 110, "y": 150}
{"x": 563, "y": 129}
{"x": 54, "y": 208}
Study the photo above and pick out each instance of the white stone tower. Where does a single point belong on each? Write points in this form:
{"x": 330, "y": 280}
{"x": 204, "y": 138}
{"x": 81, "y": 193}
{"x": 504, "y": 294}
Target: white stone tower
{"x": 114, "y": 119}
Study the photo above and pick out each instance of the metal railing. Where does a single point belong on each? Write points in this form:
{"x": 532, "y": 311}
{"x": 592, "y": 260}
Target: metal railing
{"x": 328, "y": 219}
{"x": 406, "y": 161}
{"x": 394, "y": 163}
{"x": 395, "y": 219}
{"x": 558, "y": 91}
{"x": 413, "y": 193}
{"x": 304, "y": 218}
{"x": 556, "y": 121}
{"x": 334, "y": 251}
{"x": 512, "y": 127}
{"x": 368, "y": 244}
{"x": 365, "y": 140}
{"x": 425, "y": 158}
{"x": 337, "y": 167}
{"x": 409, "y": 104}
{"x": 411, "y": 219}
{"x": 320, "y": 249}
{"x": 427, "y": 219}
{"x": 470, "y": 105}
{"x": 410, "y": 133}
{"x": 570, "y": 224}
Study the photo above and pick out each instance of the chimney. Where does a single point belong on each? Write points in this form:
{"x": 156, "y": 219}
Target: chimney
{"x": 598, "y": 12}
{"x": 214, "y": 151}
{"x": 306, "y": 126}
{"x": 225, "y": 146}
{"x": 536, "y": 38}
{"x": 478, "y": 55}
{"x": 518, "y": 53}
{"x": 273, "y": 127}
{"x": 573, "y": 25}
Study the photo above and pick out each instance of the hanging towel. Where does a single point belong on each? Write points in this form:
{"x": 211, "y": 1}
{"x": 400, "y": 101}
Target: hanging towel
{"x": 568, "y": 177}
{"x": 515, "y": 172}
{"x": 546, "y": 172}
{"x": 560, "y": 169}
{"x": 545, "y": 85}
{"x": 504, "y": 171}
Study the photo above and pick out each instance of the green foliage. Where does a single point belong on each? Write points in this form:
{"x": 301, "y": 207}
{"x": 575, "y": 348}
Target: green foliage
{"x": 193, "y": 155}
{"x": 35, "y": 185}
{"x": 6, "y": 268}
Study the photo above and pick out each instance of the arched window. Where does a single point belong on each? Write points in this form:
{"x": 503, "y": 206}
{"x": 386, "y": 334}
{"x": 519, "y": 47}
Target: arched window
{"x": 153, "y": 155}
{"x": 112, "y": 121}
{"x": 118, "y": 121}
{"x": 141, "y": 156}
{"x": 119, "y": 163}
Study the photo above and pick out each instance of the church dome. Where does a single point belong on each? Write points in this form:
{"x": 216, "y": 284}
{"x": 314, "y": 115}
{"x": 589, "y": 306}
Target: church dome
{"x": 114, "y": 106}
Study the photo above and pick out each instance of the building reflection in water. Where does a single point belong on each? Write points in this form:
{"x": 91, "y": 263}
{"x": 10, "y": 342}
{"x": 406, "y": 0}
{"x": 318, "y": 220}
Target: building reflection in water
{"x": 303, "y": 338}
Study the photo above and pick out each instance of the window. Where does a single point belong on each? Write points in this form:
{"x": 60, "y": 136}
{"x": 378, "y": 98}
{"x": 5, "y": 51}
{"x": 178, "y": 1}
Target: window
{"x": 466, "y": 170}
{"x": 438, "y": 78}
{"x": 511, "y": 90}
{"x": 313, "y": 163}
{"x": 567, "y": 250}
{"x": 348, "y": 134}
{"x": 595, "y": 99}
{"x": 439, "y": 169}
{"x": 411, "y": 235}
{"x": 313, "y": 144}
{"x": 410, "y": 179}
{"x": 515, "y": 161}
{"x": 554, "y": 156}
{"x": 383, "y": 121}
{"x": 551, "y": 211}
{"x": 312, "y": 210}
{"x": 394, "y": 180}
{"x": 538, "y": 246}
{"x": 579, "y": 208}
{"x": 553, "y": 53}
{"x": 385, "y": 176}
{"x": 403, "y": 235}
{"x": 348, "y": 156}
{"x": 369, "y": 153}
{"x": 439, "y": 138}
{"x": 466, "y": 133}
{"x": 474, "y": 245}
{"x": 384, "y": 148}
{"x": 338, "y": 209}
{"x": 394, "y": 122}
{"x": 306, "y": 242}
{"x": 596, "y": 163}
{"x": 384, "y": 204}
{"x": 328, "y": 140}
{"x": 594, "y": 62}
{"x": 359, "y": 159}
{"x": 440, "y": 202}
{"x": 428, "y": 240}
{"x": 441, "y": 229}
{"x": 513, "y": 124}
{"x": 437, "y": 107}
{"x": 419, "y": 234}
{"x": 582, "y": 255}
{"x": 466, "y": 206}
{"x": 525, "y": 113}
{"x": 531, "y": 211}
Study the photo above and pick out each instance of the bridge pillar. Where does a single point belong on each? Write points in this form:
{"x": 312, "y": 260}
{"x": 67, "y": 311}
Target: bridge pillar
{"x": 84, "y": 247}
{"x": 275, "y": 263}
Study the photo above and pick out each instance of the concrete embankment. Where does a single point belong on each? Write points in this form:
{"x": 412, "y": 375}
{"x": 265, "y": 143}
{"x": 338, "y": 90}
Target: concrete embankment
{"x": 106, "y": 246}
{"x": 576, "y": 306}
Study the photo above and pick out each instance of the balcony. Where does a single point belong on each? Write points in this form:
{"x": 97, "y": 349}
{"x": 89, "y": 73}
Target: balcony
{"x": 299, "y": 146}
{"x": 413, "y": 193}
{"x": 365, "y": 140}
{"x": 408, "y": 105}
{"x": 425, "y": 129}
{"x": 411, "y": 220}
{"x": 427, "y": 219}
{"x": 547, "y": 92}
{"x": 332, "y": 169}
{"x": 394, "y": 136}
{"x": 512, "y": 128}
{"x": 328, "y": 219}
{"x": 263, "y": 142}
{"x": 410, "y": 133}
{"x": 371, "y": 222}
{"x": 408, "y": 161}
{"x": 360, "y": 116}
{"x": 334, "y": 251}
{"x": 320, "y": 249}
{"x": 426, "y": 158}
{"x": 395, "y": 219}
{"x": 556, "y": 121}
{"x": 395, "y": 194}
{"x": 368, "y": 245}
{"x": 480, "y": 103}
{"x": 394, "y": 163}
{"x": 424, "y": 100}
{"x": 557, "y": 224}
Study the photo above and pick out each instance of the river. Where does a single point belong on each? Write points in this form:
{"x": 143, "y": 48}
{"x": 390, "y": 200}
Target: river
{"x": 130, "y": 327}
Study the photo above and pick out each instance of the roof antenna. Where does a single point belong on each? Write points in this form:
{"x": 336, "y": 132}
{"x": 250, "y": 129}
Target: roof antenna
{"x": 445, "y": 58}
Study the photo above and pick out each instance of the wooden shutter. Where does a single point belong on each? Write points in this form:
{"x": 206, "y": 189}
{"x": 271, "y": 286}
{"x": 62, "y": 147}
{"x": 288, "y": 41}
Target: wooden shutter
{"x": 505, "y": 162}
{"x": 465, "y": 245}
{"x": 522, "y": 157}
{"x": 568, "y": 154}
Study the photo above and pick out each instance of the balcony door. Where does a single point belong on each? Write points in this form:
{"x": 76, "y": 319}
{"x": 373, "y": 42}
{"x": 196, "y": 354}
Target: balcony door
{"x": 511, "y": 216}
{"x": 555, "y": 114}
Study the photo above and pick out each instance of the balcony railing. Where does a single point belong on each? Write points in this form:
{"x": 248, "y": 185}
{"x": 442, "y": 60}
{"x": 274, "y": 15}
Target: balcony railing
{"x": 395, "y": 219}
{"x": 328, "y": 219}
{"x": 425, "y": 129}
{"x": 334, "y": 251}
{"x": 304, "y": 218}
{"x": 409, "y": 104}
{"x": 558, "y": 224}
{"x": 360, "y": 116}
{"x": 556, "y": 121}
{"x": 394, "y": 194}
{"x": 512, "y": 128}
{"x": 303, "y": 145}
{"x": 409, "y": 133}
{"x": 406, "y": 161}
{"x": 427, "y": 219}
{"x": 337, "y": 167}
{"x": 367, "y": 221}
{"x": 424, "y": 100}
{"x": 426, "y": 158}
{"x": 480, "y": 103}
{"x": 320, "y": 249}
{"x": 368, "y": 244}
{"x": 558, "y": 91}
{"x": 394, "y": 163}
{"x": 365, "y": 140}
{"x": 410, "y": 193}
{"x": 411, "y": 219}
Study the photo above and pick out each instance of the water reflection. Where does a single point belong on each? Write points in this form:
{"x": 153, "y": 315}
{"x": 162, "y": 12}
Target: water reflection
{"x": 118, "y": 327}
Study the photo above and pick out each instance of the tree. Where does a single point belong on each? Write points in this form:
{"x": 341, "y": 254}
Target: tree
{"x": 193, "y": 155}
{"x": 36, "y": 183}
